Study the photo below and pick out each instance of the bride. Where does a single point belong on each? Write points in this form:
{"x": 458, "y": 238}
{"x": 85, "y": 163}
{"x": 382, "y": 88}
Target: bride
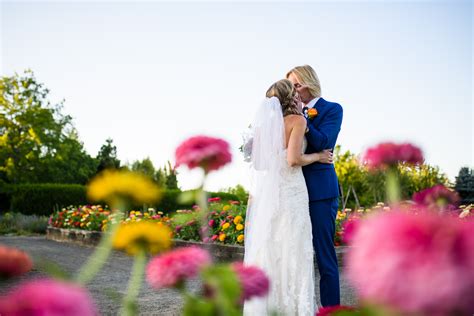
{"x": 278, "y": 235}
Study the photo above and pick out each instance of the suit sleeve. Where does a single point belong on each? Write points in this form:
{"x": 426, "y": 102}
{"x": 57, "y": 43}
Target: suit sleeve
{"x": 324, "y": 136}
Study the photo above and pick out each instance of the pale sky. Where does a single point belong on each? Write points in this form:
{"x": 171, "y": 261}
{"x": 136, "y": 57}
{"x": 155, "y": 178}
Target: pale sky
{"x": 153, "y": 73}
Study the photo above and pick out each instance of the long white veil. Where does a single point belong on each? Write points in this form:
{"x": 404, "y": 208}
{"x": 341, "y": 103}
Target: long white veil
{"x": 267, "y": 158}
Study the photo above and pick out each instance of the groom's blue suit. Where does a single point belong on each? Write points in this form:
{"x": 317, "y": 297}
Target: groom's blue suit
{"x": 323, "y": 189}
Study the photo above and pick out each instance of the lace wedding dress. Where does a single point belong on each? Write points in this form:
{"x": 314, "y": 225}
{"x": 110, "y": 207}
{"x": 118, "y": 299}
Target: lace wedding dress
{"x": 287, "y": 256}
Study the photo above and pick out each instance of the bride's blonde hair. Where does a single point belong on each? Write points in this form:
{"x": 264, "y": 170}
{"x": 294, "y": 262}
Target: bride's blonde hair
{"x": 285, "y": 92}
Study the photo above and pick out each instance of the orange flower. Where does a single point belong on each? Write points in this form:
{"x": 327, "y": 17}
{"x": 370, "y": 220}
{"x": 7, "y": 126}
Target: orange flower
{"x": 222, "y": 237}
{"x": 240, "y": 238}
{"x": 312, "y": 113}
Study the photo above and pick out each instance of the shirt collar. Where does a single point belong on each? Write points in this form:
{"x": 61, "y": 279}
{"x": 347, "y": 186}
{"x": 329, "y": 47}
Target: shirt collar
{"x": 312, "y": 103}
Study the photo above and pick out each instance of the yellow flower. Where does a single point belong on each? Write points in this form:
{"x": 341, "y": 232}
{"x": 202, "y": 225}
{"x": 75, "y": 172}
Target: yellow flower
{"x": 226, "y": 208}
{"x": 225, "y": 226}
{"x": 144, "y": 235}
{"x": 111, "y": 185}
{"x": 222, "y": 237}
{"x": 240, "y": 238}
{"x": 240, "y": 227}
{"x": 238, "y": 219}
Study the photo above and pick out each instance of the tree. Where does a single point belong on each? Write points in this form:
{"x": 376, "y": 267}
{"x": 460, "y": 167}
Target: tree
{"x": 35, "y": 136}
{"x": 144, "y": 167}
{"x": 239, "y": 191}
{"x": 167, "y": 177}
{"x": 107, "y": 156}
{"x": 465, "y": 185}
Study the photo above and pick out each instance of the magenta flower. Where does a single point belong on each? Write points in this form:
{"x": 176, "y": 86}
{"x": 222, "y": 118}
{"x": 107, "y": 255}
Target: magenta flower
{"x": 414, "y": 262}
{"x": 253, "y": 280}
{"x": 439, "y": 197}
{"x": 349, "y": 228}
{"x": 211, "y": 223}
{"x": 328, "y": 311}
{"x": 390, "y": 154}
{"x": 13, "y": 262}
{"x": 172, "y": 268}
{"x": 47, "y": 297}
{"x": 201, "y": 151}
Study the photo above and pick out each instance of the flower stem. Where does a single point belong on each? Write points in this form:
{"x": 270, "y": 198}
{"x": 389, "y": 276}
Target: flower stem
{"x": 393, "y": 186}
{"x": 202, "y": 202}
{"x": 101, "y": 253}
{"x": 129, "y": 307}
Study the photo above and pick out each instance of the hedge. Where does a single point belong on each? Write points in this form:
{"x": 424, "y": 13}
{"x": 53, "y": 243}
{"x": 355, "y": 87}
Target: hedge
{"x": 44, "y": 199}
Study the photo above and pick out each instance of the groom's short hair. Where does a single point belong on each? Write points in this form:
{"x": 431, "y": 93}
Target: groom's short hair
{"x": 307, "y": 76}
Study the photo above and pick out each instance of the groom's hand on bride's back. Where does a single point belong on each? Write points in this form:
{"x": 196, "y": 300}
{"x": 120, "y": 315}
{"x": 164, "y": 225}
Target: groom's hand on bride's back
{"x": 325, "y": 156}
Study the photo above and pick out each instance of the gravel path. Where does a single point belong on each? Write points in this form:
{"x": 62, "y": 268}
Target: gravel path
{"x": 114, "y": 275}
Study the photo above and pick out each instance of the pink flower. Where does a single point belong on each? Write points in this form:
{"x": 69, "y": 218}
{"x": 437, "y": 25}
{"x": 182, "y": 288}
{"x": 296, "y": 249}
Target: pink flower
{"x": 253, "y": 280}
{"x": 438, "y": 196}
{"x": 214, "y": 237}
{"x": 415, "y": 262}
{"x": 349, "y": 228}
{"x": 14, "y": 262}
{"x": 201, "y": 151}
{"x": 328, "y": 311}
{"x": 214, "y": 199}
{"x": 47, "y": 297}
{"x": 211, "y": 223}
{"x": 390, "y": 154}
{"x": 234, "y": 202}
{"x": 174, "y": 267}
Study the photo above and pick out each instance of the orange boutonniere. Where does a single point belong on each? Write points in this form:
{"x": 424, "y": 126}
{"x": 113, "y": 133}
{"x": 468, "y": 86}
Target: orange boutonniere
{"x": 312, "y": 113}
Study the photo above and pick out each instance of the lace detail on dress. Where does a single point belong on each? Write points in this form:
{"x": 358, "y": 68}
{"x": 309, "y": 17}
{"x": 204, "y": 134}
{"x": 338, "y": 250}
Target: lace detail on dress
{"x": 288, "y": 259}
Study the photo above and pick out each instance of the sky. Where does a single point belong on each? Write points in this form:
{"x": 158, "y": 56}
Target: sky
{"x": 151, "y": 74}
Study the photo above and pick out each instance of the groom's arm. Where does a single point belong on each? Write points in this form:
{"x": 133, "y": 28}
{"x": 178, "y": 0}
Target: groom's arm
{"x": 324, "y": 136}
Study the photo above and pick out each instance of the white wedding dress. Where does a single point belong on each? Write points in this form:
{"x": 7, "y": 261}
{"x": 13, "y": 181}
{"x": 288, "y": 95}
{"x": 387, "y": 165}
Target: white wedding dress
{"x": 286, "y": 255}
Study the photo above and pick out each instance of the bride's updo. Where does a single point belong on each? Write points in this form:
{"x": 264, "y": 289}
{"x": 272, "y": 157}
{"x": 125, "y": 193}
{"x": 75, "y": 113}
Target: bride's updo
{"x": 285, "y": 92}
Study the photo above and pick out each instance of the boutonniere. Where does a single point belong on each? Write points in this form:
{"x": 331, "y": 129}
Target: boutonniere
{"x": 312, "y": 113}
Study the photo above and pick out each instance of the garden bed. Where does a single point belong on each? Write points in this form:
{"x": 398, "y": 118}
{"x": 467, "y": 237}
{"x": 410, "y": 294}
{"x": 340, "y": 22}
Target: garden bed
{"x": 219, "y": 252}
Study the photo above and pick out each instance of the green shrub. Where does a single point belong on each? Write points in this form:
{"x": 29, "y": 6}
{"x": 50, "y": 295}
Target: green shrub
{"x": 43, "y": 199}
{"x": 15, "y": 223}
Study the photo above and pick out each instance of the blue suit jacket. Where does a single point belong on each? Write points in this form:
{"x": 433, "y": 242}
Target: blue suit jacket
{"x": 321, "y": 179}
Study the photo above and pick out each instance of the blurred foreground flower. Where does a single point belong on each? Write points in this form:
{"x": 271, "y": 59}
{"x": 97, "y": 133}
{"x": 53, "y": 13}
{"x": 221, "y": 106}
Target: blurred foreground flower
{"x": 13, "y": 262}
{"x": 148, "y": 236}
{"x": 438, "y": 197}
{"x": 47, "y": 297}
{"x": 253, "y": 280}
{"x": 331, "y": 310}
{"x": 416, "y": 263}
{"x": 202, "y": 151}
{"x": 390, "y": 154}
{"x": 113, "y": 185}
{"x": 171, "y": 269}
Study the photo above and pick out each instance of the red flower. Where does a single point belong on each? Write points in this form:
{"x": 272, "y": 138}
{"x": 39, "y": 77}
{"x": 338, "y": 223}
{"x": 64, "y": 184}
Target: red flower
{"x": 328, "y": 311}
{"x": 201, "y": 151}
{"x": 14, "y": 262}
{"x": 234, "y": 202}
{"x": 253, "y": 280}
{"x": 390, "y": 154}
{"x": 438, "y": 196}
{"x": 214, "y": 199}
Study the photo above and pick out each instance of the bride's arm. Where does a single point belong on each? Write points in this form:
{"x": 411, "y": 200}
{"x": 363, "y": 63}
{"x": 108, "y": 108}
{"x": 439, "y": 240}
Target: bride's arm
{"x": 295, "y": 157}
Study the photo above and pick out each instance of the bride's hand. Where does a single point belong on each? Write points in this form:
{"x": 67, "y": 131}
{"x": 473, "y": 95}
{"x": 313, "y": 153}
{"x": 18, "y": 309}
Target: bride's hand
{"x": 325, "y": 156}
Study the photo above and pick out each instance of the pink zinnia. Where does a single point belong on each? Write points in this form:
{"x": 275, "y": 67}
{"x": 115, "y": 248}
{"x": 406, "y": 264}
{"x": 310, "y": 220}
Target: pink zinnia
{"x": 415, "y": 262}
{"x": 214, "y": 199}
{"x": 390, "y": 154}
{"x": 349, "y": 228}
{"x": 253, "y": 280}
{"x": 328, "y": 311}
{"x": 14, "y": 262}
{"x": 170, "y": 269}
{"x": 201, "y": 151}
{"x": 47, "y": 297}
{"x": 438, "y": 196}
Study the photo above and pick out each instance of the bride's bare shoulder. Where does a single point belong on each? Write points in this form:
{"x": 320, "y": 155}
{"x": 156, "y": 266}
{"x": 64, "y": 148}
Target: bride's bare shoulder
{"x": 295, "y": 119}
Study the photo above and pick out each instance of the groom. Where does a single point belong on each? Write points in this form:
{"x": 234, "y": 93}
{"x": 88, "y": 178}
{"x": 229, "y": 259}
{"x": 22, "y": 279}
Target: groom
{"x": 321, "y": 179}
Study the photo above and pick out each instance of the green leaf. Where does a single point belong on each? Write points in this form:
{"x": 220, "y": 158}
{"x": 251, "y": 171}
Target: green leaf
{"x": 197, "y": 306}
